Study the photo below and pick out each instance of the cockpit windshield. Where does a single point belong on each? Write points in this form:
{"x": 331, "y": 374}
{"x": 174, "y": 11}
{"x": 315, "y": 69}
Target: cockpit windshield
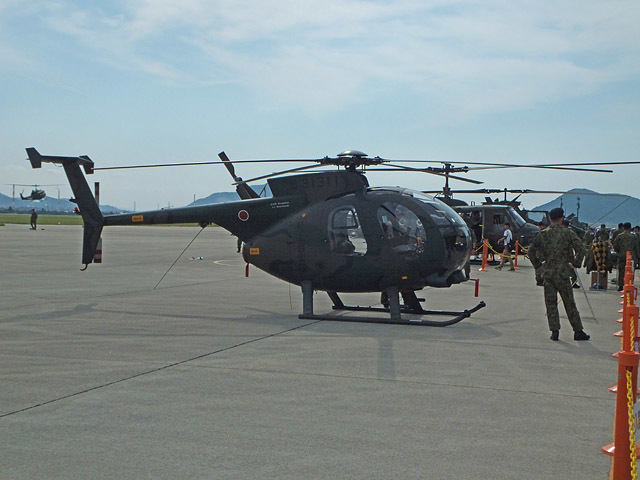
{"x": 517, "y": 219}
{"x": 402, "y": 228}
{"x": 441, "y": 213}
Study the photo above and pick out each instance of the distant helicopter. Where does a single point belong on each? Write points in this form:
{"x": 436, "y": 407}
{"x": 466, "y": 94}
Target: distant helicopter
{"x": 327, "y": 231}
{"x": 36, "y": 194}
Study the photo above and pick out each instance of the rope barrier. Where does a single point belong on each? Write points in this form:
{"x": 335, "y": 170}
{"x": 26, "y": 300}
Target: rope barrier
{"x": 630, "y": 414}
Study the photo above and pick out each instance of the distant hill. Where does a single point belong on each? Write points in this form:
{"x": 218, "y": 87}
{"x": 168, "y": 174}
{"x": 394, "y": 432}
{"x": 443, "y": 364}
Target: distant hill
{"x": 218, "y": 197}
{"x": 47, "y": 204}
{"x": 597, "y": 208}
{"x": 222, "y": 197}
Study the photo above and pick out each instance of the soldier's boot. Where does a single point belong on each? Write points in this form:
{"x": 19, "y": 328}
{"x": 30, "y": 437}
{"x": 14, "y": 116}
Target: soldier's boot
{"x": 581, "y": 335}
{"x": 555, "y": 334}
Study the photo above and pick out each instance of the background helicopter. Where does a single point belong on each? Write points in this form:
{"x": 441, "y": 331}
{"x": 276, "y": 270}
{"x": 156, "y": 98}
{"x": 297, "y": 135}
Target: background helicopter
{"x": 486, "y": 219}
{"x": 324, "y": 231}
{"x": 36, "y": 194}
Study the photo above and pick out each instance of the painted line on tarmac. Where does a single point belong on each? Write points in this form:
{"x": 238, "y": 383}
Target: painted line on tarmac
{"x": 165, "y": 367}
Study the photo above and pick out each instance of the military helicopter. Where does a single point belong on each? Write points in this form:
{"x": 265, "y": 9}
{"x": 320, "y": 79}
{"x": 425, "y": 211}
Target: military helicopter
{"x": 487, "y": 219}
{"x": 326, "y": 231}
{"x": 36, "y": 194}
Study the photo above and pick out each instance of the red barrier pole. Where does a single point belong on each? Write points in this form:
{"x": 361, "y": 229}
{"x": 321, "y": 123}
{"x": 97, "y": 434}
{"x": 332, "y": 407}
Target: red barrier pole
{"x": 515, "y": 262}
{"x": 485, "y": 255}
{"x": 624, "y": 459}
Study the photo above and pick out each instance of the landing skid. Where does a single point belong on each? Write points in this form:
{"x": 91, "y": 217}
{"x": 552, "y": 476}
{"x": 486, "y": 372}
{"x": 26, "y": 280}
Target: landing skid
{"x": 395, "y": 309}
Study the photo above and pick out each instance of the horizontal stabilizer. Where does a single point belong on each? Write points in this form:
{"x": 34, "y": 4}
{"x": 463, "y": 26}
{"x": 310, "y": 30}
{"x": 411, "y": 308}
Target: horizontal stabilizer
{"x": 36, "y": 160}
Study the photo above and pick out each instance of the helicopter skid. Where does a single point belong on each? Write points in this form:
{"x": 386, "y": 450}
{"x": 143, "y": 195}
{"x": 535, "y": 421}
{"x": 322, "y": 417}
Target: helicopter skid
{"x": 459, "y": 316}
{"x": 395, "y": 309}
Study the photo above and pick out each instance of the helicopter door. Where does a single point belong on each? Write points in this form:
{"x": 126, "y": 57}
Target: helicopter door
{"x": 345, "y": 232}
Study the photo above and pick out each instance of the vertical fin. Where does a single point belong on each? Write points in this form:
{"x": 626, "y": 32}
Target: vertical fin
{"x": 91, "y": 214}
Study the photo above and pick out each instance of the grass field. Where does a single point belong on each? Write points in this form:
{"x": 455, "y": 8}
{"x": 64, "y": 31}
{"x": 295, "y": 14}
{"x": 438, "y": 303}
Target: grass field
{"x": 43, "y": 219}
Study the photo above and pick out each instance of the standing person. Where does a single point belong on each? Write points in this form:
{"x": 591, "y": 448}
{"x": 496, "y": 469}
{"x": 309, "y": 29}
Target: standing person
{"x": 589, "y": 236}
{"x": 617, "y": 232}
{"x": 602, "y": 235}
{"x": 626, "y": 242}
{"x": 560, "y": 250}
{"x": 507, "y": 242}
{"x": 34, "y": 219}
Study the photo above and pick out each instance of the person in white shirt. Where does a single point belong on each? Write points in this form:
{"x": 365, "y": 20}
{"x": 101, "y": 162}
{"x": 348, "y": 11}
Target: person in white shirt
{"x": 507, "y": 242}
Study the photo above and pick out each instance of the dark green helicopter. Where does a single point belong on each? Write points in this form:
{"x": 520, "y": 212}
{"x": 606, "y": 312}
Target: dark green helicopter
{"x": 326, "y": 231}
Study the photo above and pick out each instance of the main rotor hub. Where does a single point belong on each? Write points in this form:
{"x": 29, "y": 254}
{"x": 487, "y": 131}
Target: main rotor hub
{"x": 351, "y": 159}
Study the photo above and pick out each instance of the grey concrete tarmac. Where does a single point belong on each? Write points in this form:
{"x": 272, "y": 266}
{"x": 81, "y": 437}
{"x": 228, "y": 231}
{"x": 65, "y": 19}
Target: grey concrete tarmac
{"x": 211, "y": 374}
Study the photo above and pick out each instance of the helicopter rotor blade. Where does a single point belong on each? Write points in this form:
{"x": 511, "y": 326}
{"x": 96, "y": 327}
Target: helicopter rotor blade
{"x": 544, "y": 167}
{"x": 520, "y": 165}
{"x": 498, "y": 190}
{"x": 244, "y": 191}
{"x": 437, "y": 172}
{"x": 275, "y": 174}
{"x": 213, "y": 162}
{"x": 228, "y": 164}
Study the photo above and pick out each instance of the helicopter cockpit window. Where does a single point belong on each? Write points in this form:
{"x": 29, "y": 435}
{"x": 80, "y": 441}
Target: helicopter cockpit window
{"x": 402, "y": 228}
{"x": 498, "y": 223}
{"x": 440, "y": 213}
{"x": 345, "y": 232}
{"x": 517, "y": 220}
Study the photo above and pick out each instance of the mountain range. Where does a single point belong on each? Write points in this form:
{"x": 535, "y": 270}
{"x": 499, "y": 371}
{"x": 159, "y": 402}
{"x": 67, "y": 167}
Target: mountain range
{"x": 47, "y": 204}
{"x": 597, "y": 208}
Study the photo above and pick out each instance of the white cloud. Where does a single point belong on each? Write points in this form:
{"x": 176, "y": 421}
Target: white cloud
{"x": 464, "y": 58}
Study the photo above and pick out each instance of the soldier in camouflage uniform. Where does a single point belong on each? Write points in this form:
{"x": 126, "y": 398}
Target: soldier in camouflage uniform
{"x": 602, "y": 235}
{"x": 559, "y": 249}
{"x": 626, "y": 242}
{"x": 617, "y": 232}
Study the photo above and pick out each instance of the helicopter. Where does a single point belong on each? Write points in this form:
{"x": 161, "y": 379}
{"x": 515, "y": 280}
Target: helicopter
{"x": 36, "y": 194}
{"x": 327, "y": 231}
{"x": 487, "y": 219}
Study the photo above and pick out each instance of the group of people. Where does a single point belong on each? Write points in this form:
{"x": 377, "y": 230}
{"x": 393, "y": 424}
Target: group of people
{"x": 556, "y": 253}
{"x": 624, "y": 239}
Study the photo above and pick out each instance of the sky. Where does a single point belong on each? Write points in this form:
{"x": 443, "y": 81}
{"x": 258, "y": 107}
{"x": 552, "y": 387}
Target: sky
{"x": 158, "y": 81}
